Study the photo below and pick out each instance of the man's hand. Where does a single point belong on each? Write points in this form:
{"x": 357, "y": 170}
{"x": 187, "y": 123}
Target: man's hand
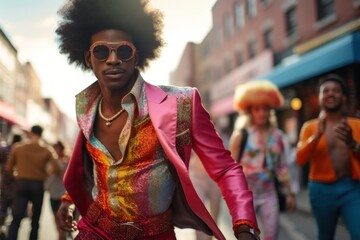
{"x": 344, "y": 132}
{"x": 65, "y": 217}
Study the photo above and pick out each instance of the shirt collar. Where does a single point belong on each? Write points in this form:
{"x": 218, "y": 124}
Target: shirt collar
{"x": 87, "y": 102}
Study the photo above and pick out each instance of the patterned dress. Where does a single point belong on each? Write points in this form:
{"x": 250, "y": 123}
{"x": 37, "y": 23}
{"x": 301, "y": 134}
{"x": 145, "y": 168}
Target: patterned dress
{"x": 261, "y": 161}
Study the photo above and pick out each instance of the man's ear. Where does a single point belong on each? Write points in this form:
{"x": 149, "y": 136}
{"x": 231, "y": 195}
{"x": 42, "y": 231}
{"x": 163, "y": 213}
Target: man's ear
{"x": 87, "y": 57}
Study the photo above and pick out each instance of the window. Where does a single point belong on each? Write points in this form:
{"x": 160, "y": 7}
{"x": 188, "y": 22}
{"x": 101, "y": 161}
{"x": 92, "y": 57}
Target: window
{"x": 239, "y": 15}
{"x": 265, "y": 2}
{"x": 205, "y": 50}
{"x": 325, "y": 8}
{"x": 252, "y": 49}
{"x": 291, "y": 22}
{"x": 228, "y": 26}
{"x": 228, "y": 65}
{"x": 239, "y": 57}
{"x": 251, "y": 8}
{"x": 218, "y": 37}
{"x": 268, "y": 38}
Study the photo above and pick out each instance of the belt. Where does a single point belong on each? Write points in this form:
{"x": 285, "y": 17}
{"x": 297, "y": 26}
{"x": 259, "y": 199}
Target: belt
{"x": 151, "y": 226}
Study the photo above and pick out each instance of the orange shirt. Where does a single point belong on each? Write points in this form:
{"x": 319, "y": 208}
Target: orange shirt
{"x": 320, "y": 163}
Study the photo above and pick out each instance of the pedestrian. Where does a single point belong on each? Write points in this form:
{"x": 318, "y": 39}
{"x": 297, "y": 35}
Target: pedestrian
{"x": 7, "y": 183}
{"x": 29, "y": 160}
{"x": 128, "y": 173}
{"x": 331, "y": 144}
{"x": 54, "y": 184}
{"x": 262, "y": 154}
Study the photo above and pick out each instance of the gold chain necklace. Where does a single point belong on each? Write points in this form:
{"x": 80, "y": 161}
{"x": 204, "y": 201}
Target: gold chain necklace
{"x": 110, "y": 119}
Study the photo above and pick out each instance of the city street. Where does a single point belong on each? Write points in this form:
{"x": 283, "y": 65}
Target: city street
{"x": 294, "y": 226}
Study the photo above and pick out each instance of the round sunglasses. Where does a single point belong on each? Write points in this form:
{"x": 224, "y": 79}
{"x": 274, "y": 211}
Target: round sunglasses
{"x": 124, "y": 50}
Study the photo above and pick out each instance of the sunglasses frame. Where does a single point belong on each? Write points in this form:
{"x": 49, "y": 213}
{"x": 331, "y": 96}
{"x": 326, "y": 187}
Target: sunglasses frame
{"x": 113, "y": 46}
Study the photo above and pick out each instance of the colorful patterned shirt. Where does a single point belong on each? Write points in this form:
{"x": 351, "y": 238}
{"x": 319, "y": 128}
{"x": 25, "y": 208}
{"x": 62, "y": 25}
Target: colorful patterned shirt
{"x": 138, "y": 185}
{"x": 261, "y": 160}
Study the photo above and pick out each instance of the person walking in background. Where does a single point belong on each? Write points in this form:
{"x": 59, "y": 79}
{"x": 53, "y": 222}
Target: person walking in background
{"x": 30, "y": 161}
{"x": 262, "y": 155}
{"x": 7, "y": 182}
{"x": 332, "y": 144}
{"x": 128, "y": 173}
{"x": 55, "y": 186}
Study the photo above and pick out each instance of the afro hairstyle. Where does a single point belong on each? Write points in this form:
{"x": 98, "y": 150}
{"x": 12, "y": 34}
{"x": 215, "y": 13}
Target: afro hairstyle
{"x": 83, "y": 18}
{"x": 257, "y": 92}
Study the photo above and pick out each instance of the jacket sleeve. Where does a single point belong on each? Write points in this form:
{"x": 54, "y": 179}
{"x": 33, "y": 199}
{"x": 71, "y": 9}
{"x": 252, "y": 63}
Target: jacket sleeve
{"x": 219, "y": 164}
{"x": 306, "y": 144}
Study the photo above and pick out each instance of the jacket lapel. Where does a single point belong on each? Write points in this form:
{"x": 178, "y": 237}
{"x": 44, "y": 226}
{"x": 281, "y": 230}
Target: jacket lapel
{"x": 163, "y": 114}
{"x": 162, "y": 107}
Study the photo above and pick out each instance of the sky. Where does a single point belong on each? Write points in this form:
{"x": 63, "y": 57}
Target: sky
{"x": 30, "y": 26}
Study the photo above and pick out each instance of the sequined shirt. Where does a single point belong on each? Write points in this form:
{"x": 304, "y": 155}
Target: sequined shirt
{"x": 139, "y": 184}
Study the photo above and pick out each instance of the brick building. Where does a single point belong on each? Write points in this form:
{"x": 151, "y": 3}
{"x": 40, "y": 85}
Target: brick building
{"x": 290, "y": 42}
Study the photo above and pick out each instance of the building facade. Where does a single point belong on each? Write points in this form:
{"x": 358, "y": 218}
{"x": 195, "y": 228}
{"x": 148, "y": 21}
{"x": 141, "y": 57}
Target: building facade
{"x": 22, "y": 104}
{"x": 290, "y": 42}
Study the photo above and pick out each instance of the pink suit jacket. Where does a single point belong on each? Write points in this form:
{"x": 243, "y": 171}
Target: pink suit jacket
{"x": 189, "y": 211}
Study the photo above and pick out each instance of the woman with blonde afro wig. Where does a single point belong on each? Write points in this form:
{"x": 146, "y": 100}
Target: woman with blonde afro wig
{"x": 263, "y": 155}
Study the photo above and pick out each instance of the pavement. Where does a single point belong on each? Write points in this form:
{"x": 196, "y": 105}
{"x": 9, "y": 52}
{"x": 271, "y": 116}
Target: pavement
{"x": 302, "y": 201}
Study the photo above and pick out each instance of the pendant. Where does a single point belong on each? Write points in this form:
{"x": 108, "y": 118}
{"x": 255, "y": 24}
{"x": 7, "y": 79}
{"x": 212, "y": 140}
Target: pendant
{"x": 108, "y": 124}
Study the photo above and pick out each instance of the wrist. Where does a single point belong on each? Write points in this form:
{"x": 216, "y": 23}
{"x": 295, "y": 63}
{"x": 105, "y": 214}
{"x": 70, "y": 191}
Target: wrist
{"x": 246, "y": 232}
{"x": 245, "y": 229}
{"x": 355, "y": 147}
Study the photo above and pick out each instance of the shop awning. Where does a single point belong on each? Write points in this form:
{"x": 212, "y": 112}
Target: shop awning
{"x": 8, "y": 113}
{"x": 338, "y": 53}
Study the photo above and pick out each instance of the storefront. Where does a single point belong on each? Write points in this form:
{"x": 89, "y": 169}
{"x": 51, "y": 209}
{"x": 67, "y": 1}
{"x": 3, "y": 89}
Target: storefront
{"x": 298, "y": 80}
{"x": 299, "y": 74}
{"x": 9, "y": 120}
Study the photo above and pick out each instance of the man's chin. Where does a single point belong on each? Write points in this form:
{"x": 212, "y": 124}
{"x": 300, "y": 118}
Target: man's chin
{"x": 332, "y": 109}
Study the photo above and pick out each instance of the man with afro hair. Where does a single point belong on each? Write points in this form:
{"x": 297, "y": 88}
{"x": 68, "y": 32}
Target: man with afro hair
{"x": 128, "y": 175}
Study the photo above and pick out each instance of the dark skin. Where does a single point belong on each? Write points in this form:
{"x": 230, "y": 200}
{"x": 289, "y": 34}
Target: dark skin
{"x": 116, "y": 78}
{"x": 333, "y": 123}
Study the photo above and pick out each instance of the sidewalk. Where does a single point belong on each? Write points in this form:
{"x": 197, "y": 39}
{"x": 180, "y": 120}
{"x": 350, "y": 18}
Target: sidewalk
{"x": 47, "y": 230}
{"x": 302, "y": 201}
